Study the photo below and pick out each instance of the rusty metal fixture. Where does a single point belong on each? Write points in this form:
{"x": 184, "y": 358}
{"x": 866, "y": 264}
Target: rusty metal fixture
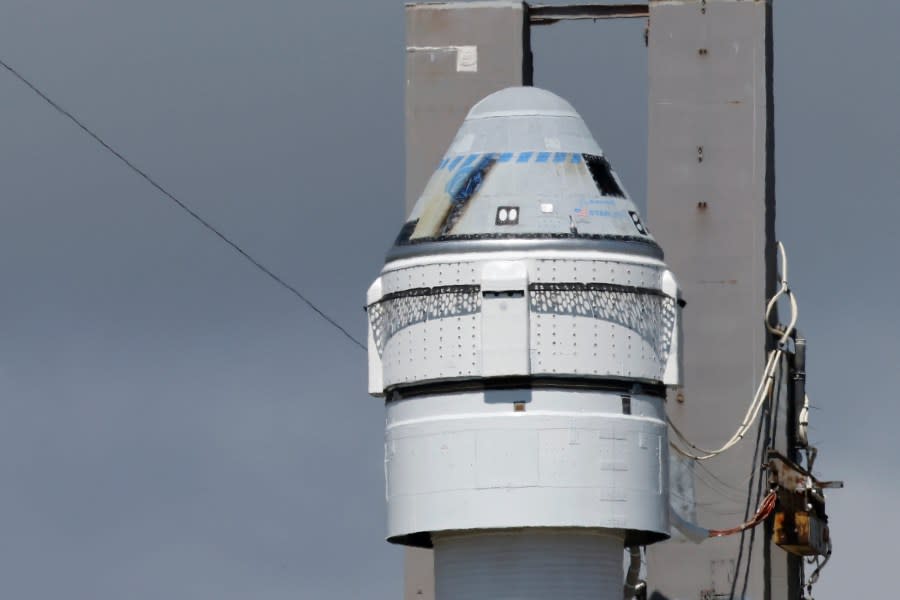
{"x": 802, "y": 533}
{"x": 800, "y": 525}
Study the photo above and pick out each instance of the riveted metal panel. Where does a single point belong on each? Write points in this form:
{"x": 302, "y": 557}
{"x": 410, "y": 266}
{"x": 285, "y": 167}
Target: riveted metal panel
{"x": 501, "y": 459}
{"x": 542, "y": 313}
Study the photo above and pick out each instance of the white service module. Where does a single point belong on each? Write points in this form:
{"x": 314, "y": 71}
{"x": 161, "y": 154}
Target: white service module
{"x": 522, "y": 333}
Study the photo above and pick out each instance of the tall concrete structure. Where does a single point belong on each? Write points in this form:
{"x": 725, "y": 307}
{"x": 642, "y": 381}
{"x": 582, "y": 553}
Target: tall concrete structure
{"x": 710, "y": 203}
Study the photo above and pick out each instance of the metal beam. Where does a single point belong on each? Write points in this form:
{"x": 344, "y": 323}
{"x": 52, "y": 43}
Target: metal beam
{"x": 547, "y": 14}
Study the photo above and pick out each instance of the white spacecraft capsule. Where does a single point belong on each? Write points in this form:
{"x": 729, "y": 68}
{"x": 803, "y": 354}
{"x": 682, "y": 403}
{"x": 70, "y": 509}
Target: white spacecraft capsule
{"x": 522, "y": 333}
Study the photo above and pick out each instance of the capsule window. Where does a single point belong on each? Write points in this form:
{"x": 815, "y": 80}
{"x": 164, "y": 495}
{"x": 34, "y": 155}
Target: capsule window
{"x": 507, "y": 215}
{"x": 603, "y": 177}
{"x": 406, "y": 232}
{"x": 462, "y": 188}
{"x": 638, "y": 224}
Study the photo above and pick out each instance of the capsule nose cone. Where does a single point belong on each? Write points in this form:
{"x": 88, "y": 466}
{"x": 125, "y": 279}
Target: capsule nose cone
{"x": 524, "y": 167}
{"x": 522, "y": 101}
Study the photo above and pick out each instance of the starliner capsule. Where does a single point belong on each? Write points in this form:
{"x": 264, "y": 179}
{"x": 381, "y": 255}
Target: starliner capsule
{"x": 522, "y": 333}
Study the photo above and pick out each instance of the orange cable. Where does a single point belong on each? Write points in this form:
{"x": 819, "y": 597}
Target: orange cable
{"x": 765, "y": 509}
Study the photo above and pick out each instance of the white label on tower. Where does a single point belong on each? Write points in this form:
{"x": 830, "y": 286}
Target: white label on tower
{"x": 467, "y": 59}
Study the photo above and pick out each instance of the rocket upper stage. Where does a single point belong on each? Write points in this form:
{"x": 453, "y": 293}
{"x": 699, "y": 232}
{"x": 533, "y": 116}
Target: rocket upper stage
{"x": 524, "y": 170}
{"x": 523, "y": 175}
{"x": 522, "y": 332}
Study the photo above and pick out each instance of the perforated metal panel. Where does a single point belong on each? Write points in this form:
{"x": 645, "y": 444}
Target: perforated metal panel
{"x": 598, "y": 329}
{"x": 583, "y": 313}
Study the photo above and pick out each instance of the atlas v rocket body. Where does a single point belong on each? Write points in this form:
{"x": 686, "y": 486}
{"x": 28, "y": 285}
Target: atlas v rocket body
{"x": 523, "y": 332}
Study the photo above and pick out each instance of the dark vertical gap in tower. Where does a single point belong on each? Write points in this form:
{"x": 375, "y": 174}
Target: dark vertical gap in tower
{"x": 527, "y": 56}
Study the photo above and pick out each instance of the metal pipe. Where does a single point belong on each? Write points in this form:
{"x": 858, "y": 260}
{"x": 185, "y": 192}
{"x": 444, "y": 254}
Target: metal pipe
{"x": 632, "y": 578}
{"x": 797, "y": 432}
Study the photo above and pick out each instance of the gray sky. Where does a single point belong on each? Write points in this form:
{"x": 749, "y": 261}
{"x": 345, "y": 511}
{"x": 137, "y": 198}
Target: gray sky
{"x": 172, "y": 424}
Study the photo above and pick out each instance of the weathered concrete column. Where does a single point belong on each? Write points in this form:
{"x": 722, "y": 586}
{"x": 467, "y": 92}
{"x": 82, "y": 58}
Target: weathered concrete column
{"x": 711, "y": 205}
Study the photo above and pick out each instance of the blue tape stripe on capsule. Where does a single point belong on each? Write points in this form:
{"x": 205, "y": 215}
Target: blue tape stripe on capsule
{"x": 470, "y": 159}
{"x": 505, "y": 157}
{"x": 454, "y": 162}
{"x": 524, "y": 157}
{"x": 542, "y": 157}
{"x": 560, "y": 157}
{"x": 576, "y": 158}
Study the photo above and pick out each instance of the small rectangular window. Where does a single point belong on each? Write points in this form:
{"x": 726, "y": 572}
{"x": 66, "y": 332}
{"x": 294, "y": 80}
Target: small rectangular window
{"x": 507, "y": 215}
{"x": 603, "y": 176}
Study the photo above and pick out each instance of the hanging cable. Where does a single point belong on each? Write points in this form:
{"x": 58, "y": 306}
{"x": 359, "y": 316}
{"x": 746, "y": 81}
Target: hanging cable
{"x": 756, "y": 475}
{"x": 731, "y": 496}
{"x": 762, "y": 392}
{"x": 814, "y": 577}
{"x": 191, "y": 212}
{"x": 696, "y": 533}
{"x": 771, "y": 418}
{"x": 764, "y": 389}
{"x": 765, "y": 509}
{"x": 723, "y": 483}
